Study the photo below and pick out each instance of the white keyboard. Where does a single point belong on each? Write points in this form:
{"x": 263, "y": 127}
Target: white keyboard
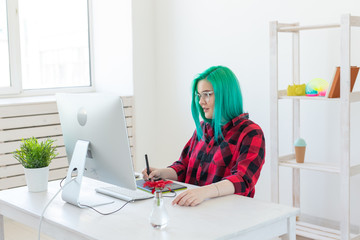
{"x": 124, "y": 193}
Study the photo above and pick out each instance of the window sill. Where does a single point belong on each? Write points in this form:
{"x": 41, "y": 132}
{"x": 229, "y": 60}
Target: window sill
{"x": 26, "y": 100}
{"x": 40, "y": 96}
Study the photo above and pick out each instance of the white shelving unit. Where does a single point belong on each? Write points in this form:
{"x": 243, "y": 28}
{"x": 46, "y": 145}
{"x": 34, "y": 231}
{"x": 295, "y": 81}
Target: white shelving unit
{"x": 343, "y": 168}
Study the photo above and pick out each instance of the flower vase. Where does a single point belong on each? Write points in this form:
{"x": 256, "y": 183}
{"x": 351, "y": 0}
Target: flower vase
{"x": 158, "y": 216}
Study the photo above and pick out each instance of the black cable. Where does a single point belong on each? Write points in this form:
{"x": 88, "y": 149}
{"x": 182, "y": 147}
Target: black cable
{"x": 171, "y": 196}
{"x": 62, "y": 181}
{"x": 74, "y": 170}
{"x": 83, "y": 205}
{"x": 92, "y": 208}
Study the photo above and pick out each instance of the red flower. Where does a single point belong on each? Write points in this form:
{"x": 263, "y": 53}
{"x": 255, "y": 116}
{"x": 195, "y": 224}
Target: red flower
{"x": 157, "y": 185}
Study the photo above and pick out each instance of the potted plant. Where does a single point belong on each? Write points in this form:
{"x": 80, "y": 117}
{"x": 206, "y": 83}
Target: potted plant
{"x": 35, "y": 156}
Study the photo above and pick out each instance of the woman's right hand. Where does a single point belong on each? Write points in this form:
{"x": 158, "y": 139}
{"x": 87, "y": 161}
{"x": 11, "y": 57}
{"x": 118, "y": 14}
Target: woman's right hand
{"x": 154, "y": 173}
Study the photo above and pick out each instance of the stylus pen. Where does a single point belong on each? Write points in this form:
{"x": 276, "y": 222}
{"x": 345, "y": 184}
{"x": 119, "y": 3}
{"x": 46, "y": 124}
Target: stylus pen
{"x": 147, "y": 164}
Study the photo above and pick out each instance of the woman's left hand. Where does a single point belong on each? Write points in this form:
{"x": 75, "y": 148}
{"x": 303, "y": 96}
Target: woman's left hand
{"x": 191, "y": 197}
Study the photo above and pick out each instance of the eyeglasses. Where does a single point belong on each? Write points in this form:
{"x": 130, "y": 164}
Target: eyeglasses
{"x": 204, "y": 95}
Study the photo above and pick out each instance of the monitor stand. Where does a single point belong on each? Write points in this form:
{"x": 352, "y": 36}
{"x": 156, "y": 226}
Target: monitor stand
{"x": 71, "y": 192}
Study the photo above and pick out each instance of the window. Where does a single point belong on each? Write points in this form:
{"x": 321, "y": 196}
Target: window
{"x": 4, "y": 48}
{"x": 53, "y": 38}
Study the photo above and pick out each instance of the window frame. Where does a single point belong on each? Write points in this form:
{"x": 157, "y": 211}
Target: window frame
{"x": 15, "y": 89}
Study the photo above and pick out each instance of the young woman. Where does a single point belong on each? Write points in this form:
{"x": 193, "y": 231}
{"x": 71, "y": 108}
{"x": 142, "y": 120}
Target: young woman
{"x": 227, "y": 150}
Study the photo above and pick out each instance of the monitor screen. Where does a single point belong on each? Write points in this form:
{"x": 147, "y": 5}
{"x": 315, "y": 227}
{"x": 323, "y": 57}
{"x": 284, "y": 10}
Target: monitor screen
{"x": 98, "y": 119}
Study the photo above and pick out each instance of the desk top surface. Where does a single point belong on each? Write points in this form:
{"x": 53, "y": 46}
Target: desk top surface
{"x": 215, "y": 218}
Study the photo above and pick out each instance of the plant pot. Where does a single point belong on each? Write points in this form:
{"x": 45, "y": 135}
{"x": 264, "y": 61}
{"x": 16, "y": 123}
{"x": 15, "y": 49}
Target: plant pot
{"x": 37, "y": 179}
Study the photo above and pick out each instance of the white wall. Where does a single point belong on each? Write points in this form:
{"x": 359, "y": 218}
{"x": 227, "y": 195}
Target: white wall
{"x": 174, "y": 40}
{"x": 144, "y": 80}
{"x": 112, "y": 46}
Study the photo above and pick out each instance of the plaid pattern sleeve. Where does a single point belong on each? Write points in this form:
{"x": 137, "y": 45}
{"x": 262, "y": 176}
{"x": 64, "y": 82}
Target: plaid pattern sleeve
{"x": 246, "y": 170}
{"x": 181, "y": 165}
{"x": 238, "y": 157}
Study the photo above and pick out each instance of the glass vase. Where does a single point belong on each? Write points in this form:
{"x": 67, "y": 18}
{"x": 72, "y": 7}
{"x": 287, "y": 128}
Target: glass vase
{"x": 158, "y": 216}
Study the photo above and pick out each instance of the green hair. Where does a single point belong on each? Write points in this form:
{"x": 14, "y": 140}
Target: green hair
{"x": 228, "y": 99}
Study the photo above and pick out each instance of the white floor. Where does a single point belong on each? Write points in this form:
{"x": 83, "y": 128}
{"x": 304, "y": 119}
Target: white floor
{"x": 17, "y": 231}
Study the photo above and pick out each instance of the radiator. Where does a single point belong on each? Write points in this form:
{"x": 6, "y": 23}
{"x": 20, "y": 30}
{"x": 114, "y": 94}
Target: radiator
{"x": 40, "y": 120}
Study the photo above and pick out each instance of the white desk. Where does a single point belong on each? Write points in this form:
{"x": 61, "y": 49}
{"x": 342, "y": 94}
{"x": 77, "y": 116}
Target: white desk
{"x": 230, "y": 217}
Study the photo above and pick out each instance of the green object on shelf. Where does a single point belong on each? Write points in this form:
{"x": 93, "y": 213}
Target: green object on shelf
{"x": 300, "y": 143}
{"x": 296, "y": 90}
{"x": 316, "y": 87}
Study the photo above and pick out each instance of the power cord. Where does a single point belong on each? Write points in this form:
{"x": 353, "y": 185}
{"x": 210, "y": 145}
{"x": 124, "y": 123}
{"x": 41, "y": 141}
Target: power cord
{"x": 83, "y": 205}
{"x": 47, "y": 205}
{"x": 102, "y": 213}
{"x": 171, "y": 196}
{"x": 62, "y": 181}
{"x": 92, "y": 208}
{"x": 75, "y": 169}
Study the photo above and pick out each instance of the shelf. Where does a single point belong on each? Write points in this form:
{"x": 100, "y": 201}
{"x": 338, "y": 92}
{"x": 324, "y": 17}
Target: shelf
{"x": 354, "y": 97}
{"x": 341, "y": 166}
{"x": 323, "y": 167}
{"x": 289, "y": 161}
{"x": 282, "y": 94}
{"x": 318, "y": 232}
{"x": 355, "y": 170}
{"x": 354, "y": 22}
{"x": 311, "y": 27}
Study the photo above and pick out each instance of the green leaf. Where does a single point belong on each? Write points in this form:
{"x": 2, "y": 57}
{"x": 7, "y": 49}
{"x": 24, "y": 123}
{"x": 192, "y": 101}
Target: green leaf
{"x": 35, "y": 154}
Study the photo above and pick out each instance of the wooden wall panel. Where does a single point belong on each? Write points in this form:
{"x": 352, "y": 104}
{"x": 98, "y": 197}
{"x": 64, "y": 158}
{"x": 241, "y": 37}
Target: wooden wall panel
{"x": 40, "y": 120}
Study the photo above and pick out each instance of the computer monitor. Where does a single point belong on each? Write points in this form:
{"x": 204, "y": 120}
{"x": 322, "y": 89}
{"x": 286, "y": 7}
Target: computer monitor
{"x": 96, "y": 142}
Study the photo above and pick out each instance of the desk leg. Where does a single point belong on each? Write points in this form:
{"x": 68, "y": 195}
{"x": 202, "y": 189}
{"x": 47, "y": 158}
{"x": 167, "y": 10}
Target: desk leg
{"x": 2, "y": 228}
{"x": 291, "y": 229}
